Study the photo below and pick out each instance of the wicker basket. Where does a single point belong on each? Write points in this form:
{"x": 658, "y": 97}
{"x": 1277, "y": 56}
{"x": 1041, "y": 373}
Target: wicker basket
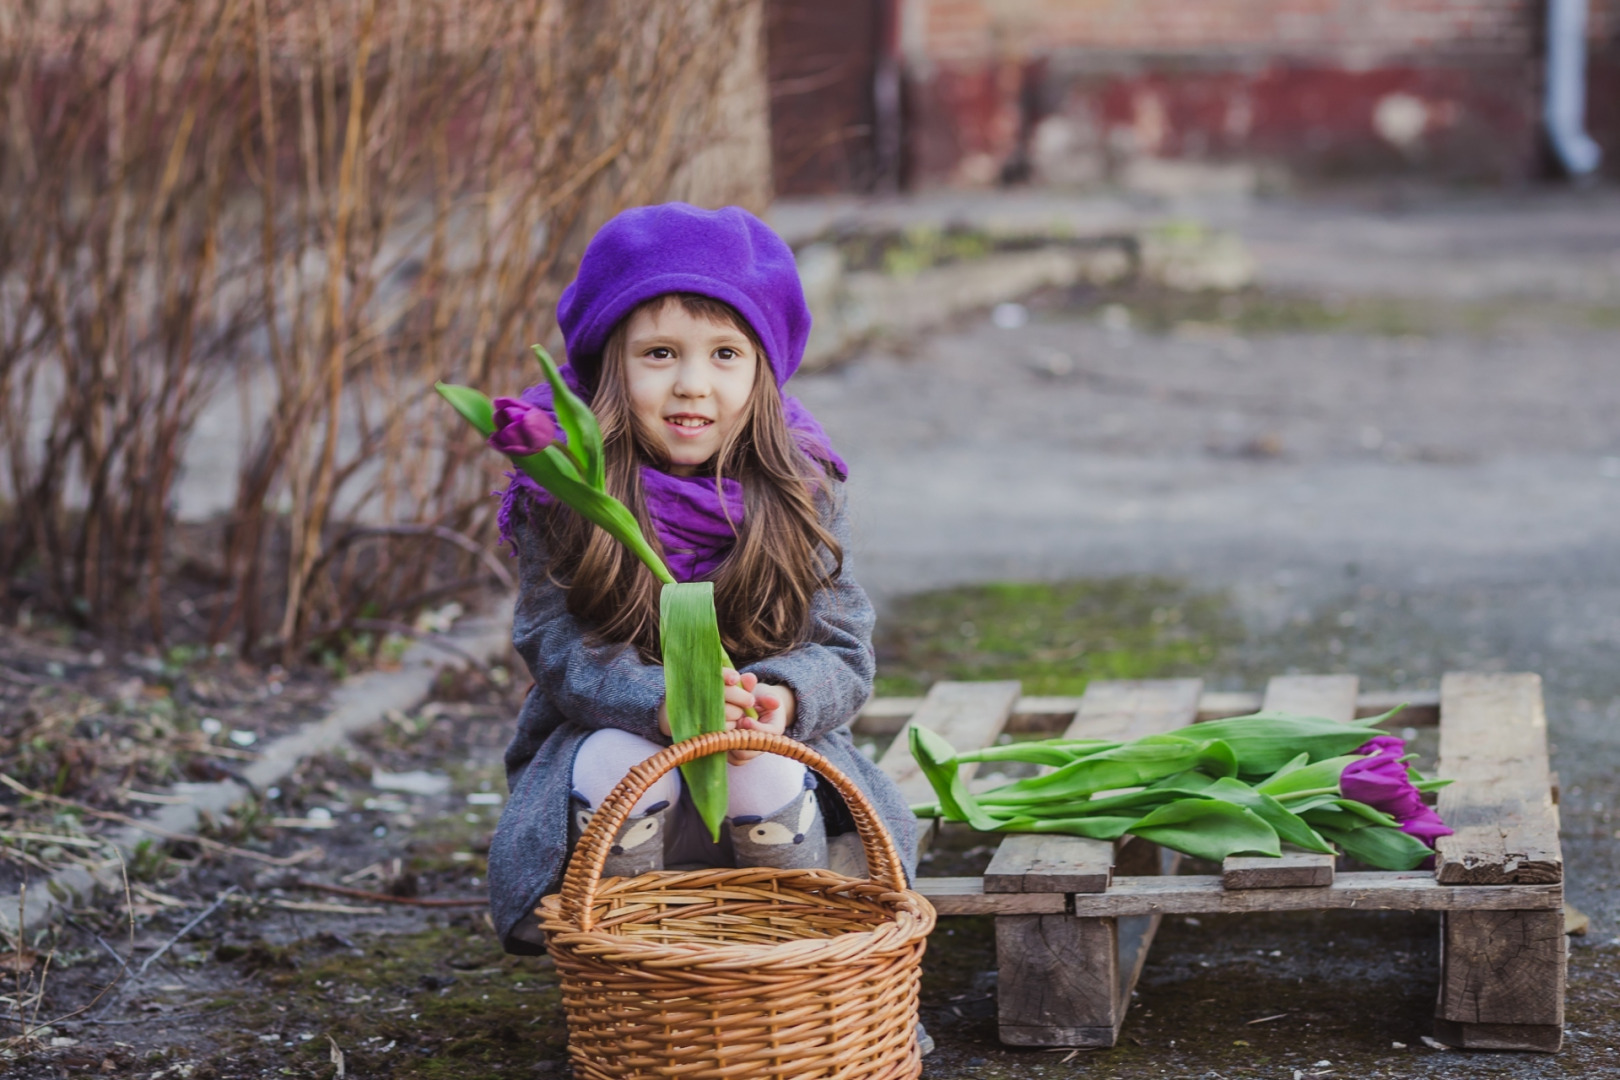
{"x": 738, "y": 973}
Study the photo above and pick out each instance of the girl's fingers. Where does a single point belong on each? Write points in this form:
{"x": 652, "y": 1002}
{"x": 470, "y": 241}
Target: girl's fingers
{"x": 767, "y": 702}
{"x": 731, "y": 677}
{"x": 749, "y": 681}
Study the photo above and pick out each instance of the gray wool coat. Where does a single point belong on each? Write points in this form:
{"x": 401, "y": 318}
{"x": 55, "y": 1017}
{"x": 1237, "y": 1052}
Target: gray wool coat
{"x": 581, "y": 687}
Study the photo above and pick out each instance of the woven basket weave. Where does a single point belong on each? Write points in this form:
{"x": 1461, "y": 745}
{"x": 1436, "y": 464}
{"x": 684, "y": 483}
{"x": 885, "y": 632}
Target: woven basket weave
{"x": 739, "y": 973}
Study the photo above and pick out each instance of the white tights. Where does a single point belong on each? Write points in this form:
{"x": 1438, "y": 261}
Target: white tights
{"x": 760, "y": 786}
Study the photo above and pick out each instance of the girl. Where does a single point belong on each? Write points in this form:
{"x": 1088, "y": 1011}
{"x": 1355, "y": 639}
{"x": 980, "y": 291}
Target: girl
{"x": 681, "y": 328}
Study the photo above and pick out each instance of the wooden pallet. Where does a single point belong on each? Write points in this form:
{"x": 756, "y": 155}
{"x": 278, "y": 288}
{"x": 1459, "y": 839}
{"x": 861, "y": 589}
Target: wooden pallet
{"x": 1075, "y": 917}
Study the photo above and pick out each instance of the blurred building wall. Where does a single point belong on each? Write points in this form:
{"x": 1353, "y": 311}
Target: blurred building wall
{"x": 735, "y": 170}
{"x": 1070, "y": 92}
{"x": 824, "y": 67}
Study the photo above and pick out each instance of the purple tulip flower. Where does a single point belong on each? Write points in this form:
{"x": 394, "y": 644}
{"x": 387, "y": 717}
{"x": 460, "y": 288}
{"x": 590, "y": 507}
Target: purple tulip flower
{"x": 521, "y": 429}
{"x": 1380, "y": 780}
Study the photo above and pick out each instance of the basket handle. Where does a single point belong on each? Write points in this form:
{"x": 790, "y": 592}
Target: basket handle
{"x": 578, "y": 894}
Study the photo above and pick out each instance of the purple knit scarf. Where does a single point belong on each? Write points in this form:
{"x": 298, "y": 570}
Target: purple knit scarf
{"x": 696, "y": 522}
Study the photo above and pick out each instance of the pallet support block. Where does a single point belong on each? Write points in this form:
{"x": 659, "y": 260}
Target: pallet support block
{"x": 1502, "y": 980}
{"x": 1059, "y": 980}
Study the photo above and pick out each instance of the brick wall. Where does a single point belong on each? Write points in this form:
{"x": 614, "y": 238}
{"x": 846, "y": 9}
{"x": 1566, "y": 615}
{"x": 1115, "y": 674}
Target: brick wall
{"x": 1074, "y": 91}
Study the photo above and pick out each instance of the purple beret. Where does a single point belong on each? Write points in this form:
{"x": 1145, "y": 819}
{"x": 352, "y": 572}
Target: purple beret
{"x": 726, "y": 254}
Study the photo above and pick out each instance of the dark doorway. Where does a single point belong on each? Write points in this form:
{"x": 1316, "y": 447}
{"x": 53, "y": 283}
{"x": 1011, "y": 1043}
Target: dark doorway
{"x": 827, "y": 71}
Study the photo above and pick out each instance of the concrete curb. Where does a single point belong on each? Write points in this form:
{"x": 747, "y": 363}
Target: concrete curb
{"x": 356, "y": 704}
{"x": 853, "y": 307}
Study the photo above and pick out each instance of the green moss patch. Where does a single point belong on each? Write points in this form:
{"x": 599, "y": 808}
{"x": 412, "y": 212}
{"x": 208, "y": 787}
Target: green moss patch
{"x": 1054, "y": 638}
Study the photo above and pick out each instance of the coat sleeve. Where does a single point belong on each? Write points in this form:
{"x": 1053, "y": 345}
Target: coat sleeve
{"x": 831, "y": 673}
{"x": 595, "y": 685}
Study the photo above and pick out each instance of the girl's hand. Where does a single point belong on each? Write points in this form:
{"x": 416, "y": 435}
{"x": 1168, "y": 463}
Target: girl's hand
{"x": 739, "y": 698}
{"x": 776, "y": 710}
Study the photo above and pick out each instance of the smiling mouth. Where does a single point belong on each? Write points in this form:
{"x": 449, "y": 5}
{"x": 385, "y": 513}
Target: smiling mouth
{"x": 689, "y": 423}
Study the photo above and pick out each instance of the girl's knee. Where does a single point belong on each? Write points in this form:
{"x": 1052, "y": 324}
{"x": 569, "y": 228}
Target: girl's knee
{"x": 763, "y": 785}
{"x": 603, "y": 760}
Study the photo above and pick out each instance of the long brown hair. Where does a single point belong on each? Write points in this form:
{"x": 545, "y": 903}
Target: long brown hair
{"x": 782, "y": 555}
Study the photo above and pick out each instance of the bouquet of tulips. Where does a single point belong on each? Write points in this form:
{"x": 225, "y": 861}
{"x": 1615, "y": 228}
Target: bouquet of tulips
{"x": 569, "y": 465}
{"x": 1241, "y": 786}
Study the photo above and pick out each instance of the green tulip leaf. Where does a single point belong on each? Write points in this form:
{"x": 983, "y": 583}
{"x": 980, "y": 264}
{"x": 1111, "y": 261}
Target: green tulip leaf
{"x": 1150, "y": 758}
{"x": 1100, "y": 827}
{"x": 473, "y": 406}
{"x": 578, "y": 423}
{"x": 1381, "y": 846}
{"x": 938, "y": 763}
{"x": 1266, "y": 741}
{"x": 1208, "y": 829}
{"x": 1288, "y": 826}
{"x": 1053, "y": 752}
{"x": 694, "y": 693}
{"x": 1318, "y": 776}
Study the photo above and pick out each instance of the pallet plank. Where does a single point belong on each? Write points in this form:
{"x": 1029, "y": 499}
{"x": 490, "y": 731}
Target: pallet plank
{"x": 1332, "y": 697}
{"x": 1203, "y": 894}
{"x": 1374, "y": 890}
{"x": 966, "y": 896}
{"x": 1131, "y": 708}
{"x": 1293, "y": 870}
{"x": 967, "y": 714}
{"x": 1493, "y": 745}
{"x": 1031, "y": 862}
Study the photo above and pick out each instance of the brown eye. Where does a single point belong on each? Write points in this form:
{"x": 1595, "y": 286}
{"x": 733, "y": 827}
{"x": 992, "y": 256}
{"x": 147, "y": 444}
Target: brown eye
{"x": 662, "y": 352}
{"x": 725, "y": 353}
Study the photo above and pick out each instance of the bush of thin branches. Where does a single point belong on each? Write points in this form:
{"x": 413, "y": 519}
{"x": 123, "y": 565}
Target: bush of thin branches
{"x": 319, "y": 207}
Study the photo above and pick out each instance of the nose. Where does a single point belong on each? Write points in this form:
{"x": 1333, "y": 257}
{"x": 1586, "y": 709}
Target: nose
{"x": 691, "y": 379}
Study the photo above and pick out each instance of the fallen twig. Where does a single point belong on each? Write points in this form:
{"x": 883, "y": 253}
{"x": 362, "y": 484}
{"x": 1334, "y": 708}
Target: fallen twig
{"x": 112, "y": 952}
{"x": 385, "y": 898}
{"x": 135, "y": 979}
{"x": 201, "y": 841}
{"x": 322, "y": 908}
{"x": 184, "y": 930}
{"x": 164, "y": 1016}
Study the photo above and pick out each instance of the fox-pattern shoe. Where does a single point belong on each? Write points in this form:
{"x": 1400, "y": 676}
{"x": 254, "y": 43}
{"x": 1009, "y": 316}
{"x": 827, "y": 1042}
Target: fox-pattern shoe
{"x": 792, "y": 838}
{"x": 639, "y": 847}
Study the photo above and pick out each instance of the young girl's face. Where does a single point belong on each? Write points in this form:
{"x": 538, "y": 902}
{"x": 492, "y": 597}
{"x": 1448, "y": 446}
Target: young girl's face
{"x": 689, "y": 379}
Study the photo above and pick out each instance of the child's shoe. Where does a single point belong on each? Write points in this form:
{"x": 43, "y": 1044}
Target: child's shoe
{"x": 639, "y": 847}
{"x": 792, "y": 838}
